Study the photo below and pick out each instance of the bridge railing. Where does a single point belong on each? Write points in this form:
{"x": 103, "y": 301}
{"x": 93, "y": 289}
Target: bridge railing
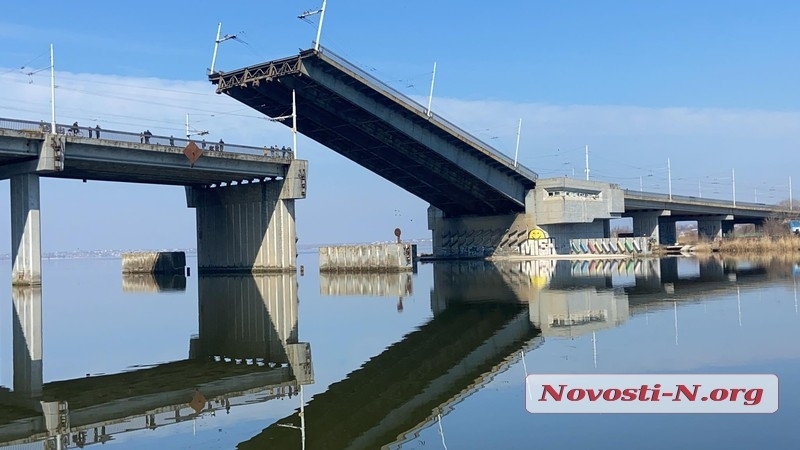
{"x": 141, "y": 138}
{"x": 403, "y": 99}
{"x": 658, "y": 197}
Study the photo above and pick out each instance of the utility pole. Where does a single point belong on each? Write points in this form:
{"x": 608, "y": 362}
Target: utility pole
{"x": 52, "y": 92}
{"x": 321, "y": 12}
{"x": 216, "y": 45}
{"x": 294, "y": 124}
{"x": 733, "y": 180}
{"x": 430, "y": 97}
{"x": 587, "y": 162}
{"x": 187, "y": 127}
{"x": 319, "y": 28}
{"x": 641, "y": 187}
{"x": 700, "y": 189}
{"x": 516, "y": 151}
{"x": 791, "y": 206}
{"x": 669, "y": 178}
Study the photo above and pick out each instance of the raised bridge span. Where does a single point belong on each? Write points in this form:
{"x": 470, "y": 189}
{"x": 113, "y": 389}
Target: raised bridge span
{"x": 482, "y": 202}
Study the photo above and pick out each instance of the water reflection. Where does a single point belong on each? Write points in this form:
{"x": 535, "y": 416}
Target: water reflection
{"x": 152, "y": 283}
{"x": 246, "y": 351}
{"x": 415, "y": 381}
{"x": 486, "y": 317}
{"x": 400, "y": 285}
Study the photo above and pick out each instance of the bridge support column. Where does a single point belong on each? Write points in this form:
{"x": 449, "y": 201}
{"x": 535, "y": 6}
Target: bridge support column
{"x": 26, "y": 238}
{"x": 709, "y": 229}
{"x": 727, "y": 228}
{"x": 248, "y": 228}
{"x": 478, "y": 237}
{"x": 712, "y": 227}
{"x": 28, "y": 377}
{"x": 667, "y": 231}
{"x": 647, "y": 224}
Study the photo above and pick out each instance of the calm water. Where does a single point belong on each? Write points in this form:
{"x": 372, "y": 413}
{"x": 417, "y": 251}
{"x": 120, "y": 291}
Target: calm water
{"x": 429, "y": 361}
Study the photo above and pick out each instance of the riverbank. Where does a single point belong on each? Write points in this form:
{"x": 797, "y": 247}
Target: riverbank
{"x": 748, "y": 245}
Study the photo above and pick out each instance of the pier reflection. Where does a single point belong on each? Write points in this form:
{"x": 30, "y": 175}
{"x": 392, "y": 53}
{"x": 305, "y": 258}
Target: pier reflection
{"x": 246, "y": 351}
{"x": 152, "y": 283}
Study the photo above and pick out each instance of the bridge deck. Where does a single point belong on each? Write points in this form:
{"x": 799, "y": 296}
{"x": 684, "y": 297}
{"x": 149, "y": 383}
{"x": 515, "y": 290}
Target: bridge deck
{"x": 348, "y": 111}
{"x": 121, "y": 156}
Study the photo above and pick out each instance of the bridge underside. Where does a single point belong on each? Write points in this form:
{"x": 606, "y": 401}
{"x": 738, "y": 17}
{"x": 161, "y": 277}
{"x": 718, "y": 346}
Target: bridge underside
{"x": 388, "y": 136}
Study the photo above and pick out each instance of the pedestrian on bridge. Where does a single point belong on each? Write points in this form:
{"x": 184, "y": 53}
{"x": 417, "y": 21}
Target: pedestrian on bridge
{"x": 221, "y": 145}
{"x": 97, "y": 131}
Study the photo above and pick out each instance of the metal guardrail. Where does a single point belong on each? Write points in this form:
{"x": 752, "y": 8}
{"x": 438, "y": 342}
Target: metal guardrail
{"x": 141, "y": 138}
{"x": 403, "y": 99}
{"x": 666, "y": 198}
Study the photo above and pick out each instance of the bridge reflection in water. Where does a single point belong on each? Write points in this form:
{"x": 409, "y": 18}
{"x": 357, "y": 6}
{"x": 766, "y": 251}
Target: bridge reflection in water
{"x": 246, "y": 351}
{"x": 485, "y": 317}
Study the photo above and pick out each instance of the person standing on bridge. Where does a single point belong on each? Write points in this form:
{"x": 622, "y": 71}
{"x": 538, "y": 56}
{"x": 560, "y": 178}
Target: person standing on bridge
{"x": 221, "y": 145}
{"x": 147, "y": 135}
{"x": 97, "y": 131}
{"x": 90, "y": 132}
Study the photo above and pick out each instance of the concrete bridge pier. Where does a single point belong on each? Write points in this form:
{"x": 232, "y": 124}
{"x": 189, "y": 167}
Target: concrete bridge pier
{"x": 27, "y": 340}
{"x": 248, "y": 227}
{"x": 26, "y": 236}
{"x": 711, "y": 227}
{"x": 646, "y": 223}
{"x": 727, "y": 228}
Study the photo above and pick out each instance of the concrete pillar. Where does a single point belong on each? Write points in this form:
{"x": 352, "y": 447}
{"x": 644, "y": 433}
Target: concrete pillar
{"x": 28, "y": 377}
{"x": 709, "y": 229}
{"x": 727, "y": 228}
{"x": 645, "y": 224}
{"x": 250, "y": 227}
{"x": 606, "y": 228}
{"x": 667, "y": 231}
{"x": 26, "y": 238}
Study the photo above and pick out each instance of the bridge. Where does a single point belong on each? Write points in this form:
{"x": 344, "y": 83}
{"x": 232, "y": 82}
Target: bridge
{"x": 482, "y": 202}
{"x": 244, "y": 196}
{"x": 247, "y": 345}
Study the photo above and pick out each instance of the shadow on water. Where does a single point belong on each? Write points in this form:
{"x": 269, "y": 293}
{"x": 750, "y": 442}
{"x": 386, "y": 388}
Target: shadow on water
{"x": 485, "y": 316}
{"x": 247, "y": 343}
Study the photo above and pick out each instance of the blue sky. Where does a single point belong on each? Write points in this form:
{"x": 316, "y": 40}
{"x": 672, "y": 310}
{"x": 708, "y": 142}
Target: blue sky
{"x": 710, "y": 85}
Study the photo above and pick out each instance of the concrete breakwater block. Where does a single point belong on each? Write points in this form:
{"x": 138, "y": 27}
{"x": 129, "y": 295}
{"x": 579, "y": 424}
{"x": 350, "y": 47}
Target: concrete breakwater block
{"x": 154, "y": 262}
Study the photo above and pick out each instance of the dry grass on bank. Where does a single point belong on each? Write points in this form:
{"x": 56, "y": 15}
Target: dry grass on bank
{"x": 764, "y": 244}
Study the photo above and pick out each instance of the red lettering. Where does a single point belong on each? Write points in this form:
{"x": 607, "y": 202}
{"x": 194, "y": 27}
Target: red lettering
{"x": 690, "y": 395}
{"x": 575, "y": 395}
{"x": 718, "y": 394}
{"x": 594, "y": 395}
{"x": 612, "y": 395}
{"x": 556, "y": 395}
{"x": 629, "y": 395}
